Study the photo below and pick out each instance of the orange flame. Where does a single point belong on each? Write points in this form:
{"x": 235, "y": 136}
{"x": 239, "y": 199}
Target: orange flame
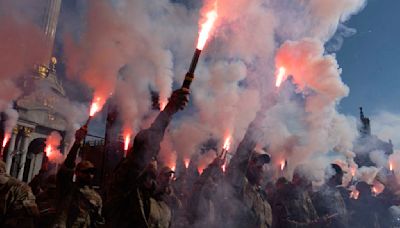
{"x": 227, "y": 143}
{"x": 207, "y": 26}
{"x": 127, "y": 141}
{"x": 200, "y": 170}
{"x": 163, "y": 104}
{"x": 95, "y": 106}
{"x": 280, "y": 76}
{"x": 377, "y": 188}
{"x": 6, "y": 138}
{"x": 186, "y": 161}
{"x": 353, "y": 171}
{"x": 224, "y": 167}
{"x": 48, "y": 150}
{"x": 354, "y": 194}
{"x": 282, "y": 164}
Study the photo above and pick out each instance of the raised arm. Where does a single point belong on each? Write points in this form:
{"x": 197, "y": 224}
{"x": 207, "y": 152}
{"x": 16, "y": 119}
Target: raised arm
{"x": 238, "y": 165}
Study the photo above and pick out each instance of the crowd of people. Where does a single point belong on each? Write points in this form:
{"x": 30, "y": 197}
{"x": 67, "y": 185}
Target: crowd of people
{"x": 144, "y": 193}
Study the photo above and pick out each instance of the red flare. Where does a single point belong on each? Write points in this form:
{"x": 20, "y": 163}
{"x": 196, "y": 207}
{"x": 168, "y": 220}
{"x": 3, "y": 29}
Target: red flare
{"x": 354, "y": 194}
{"x": 200, "y": 170}
{"x": 280, "y": 77}
{"x": 162, "y": 105}
{"x": 95, "y": 106}
{"x": 224, "y": 167}
{"x": 173, "y": 167}
{"x": 390, "y": 166}
{"x": 6, "y": 138}
{"x": 353, "y": 171}
{"x": 282, "y": 165}
{"x": 206, "y": 27}
{"x": 186, "y": 161}
{"x": 227, "y": 143}
{"x": 127, "y": 140}
{"x": 48, "y": 150}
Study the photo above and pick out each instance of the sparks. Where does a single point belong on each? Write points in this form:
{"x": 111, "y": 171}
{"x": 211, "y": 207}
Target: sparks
{"x": 186, "y": 161}
{"x": 206, "y": 27}
{"x": 5, "y": 140}
{"x": 280, "y": 76}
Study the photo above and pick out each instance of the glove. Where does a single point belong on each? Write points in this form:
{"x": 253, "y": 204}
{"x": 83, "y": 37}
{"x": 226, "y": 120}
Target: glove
{"x": 80, "y": 134}
{"x": 178, "y": 101}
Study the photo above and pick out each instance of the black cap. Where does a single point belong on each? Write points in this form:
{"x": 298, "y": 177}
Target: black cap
{"x": 337, "y": 168}
{"x": 264, "y": 158}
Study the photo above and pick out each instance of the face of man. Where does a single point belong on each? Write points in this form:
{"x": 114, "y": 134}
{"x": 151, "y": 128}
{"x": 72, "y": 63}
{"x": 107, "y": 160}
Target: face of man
{"x": 85, "y": 177}
{"x": 255, "y": 171}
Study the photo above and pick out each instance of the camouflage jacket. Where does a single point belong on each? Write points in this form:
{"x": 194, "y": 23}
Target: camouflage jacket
{"x": 77, "y": 206}
{"x": 17, "y": 203}
{"x": 249, "y": 206}
{"x": 293, "y": 207}
{"x": 328, "y": 201}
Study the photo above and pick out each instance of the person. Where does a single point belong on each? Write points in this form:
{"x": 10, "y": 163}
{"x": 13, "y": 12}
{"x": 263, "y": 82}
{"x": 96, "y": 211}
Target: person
{"x": 164, "y": 192}
{"x": 130, "y": 199}
{"x": 202, "y": 209}
{"x": 328, "y": 201}
{"x": 47, "y": 203}
{"x": 361, "y": 216}
{"x": 292, "y": 205}
{"x": 17, "y": 202}
{"x": 78, "y": 204}
{"x": 248, "y": 205}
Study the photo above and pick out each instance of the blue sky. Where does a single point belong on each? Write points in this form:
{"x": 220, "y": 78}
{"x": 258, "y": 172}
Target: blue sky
{"x": 370, "y": 59}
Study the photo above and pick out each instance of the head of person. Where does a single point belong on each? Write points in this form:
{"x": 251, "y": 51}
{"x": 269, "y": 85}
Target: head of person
{"x": 165, "y": 176}
{"x": 364, "y": 188}
{"x": 148, "y": 178}
{"x": 255, "y": 167}
{"x": 336, "y": 178}
{"x": 84, "y": 173}
{"x": 299, "y": 177}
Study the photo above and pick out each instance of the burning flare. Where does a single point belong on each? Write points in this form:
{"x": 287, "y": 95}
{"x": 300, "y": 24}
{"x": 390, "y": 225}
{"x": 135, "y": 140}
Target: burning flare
{"x": 94, "y": 107}
{"x": 282, "y": 165}
{"x": 5, "y": 140}
{"x": 48, "y": 150}
{"x": 390, "y": 166}
{"x": 280, "y": 77}
{"x": 207, "y": 26}
{"x": 186, "y": 161}
{"x": 127, "y": 140}
{"x": 227, "y": 143}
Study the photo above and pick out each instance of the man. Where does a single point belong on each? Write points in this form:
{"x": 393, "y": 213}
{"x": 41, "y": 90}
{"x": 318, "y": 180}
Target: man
{"x": 79, "y": 205}
{"x": 366, "y": 210}
{"x": 131, "y": 201}
{"x": 248, "y": 206}
{"x": 292, "y": 205}
{"x": 205, "y": 197}
{"x": 17, "y": 202}
{"x": 328, "y": 200}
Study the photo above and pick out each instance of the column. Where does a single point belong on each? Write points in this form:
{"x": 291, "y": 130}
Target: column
{"x": 24, "y": 150}
{"x": 31, "y": 168}
{"x": 10, "y": 151}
